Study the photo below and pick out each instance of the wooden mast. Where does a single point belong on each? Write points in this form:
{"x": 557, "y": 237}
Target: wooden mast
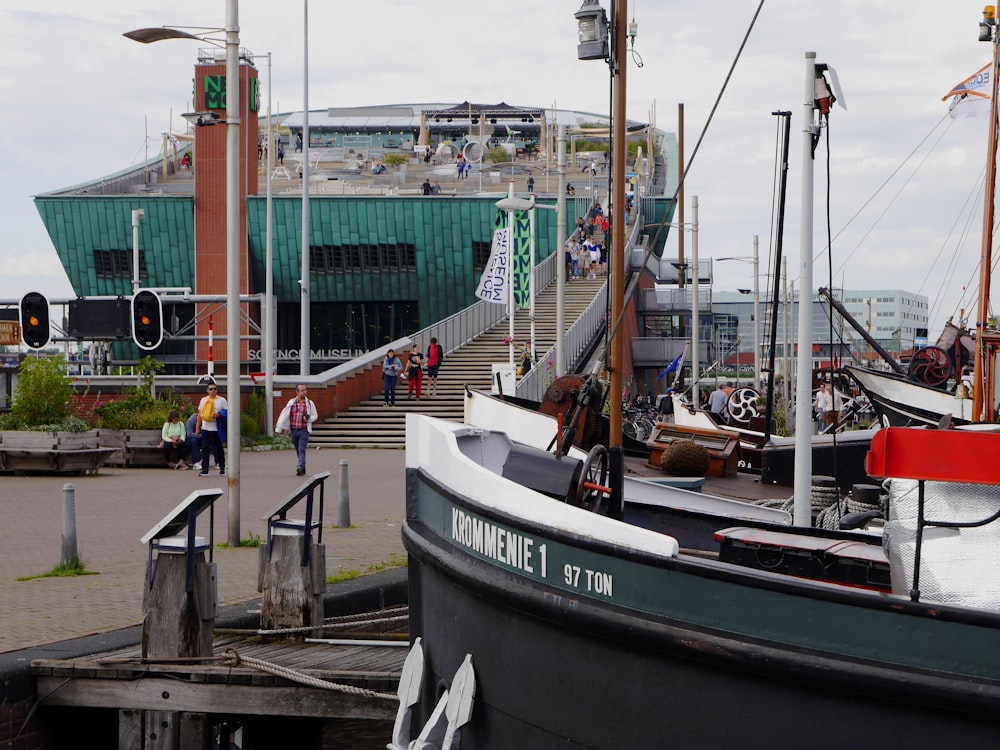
{"x": 983, "y": 404}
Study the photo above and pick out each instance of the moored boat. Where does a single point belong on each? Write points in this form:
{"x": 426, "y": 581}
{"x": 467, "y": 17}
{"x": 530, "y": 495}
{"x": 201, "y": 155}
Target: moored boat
{"x": 585, "y": 631}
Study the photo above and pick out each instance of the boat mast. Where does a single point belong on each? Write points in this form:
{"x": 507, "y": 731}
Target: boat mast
{"x": 982, "y": 393}
{"x": 779, "y": 235}
{"x": 802, "y": 511}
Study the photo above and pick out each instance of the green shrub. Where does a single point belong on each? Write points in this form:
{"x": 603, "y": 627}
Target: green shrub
{"x": 44, "y": 393}
{"x": 393, "y": 159}
{"x": 497, "y": 155}
{"x": 255, "y": 411}
{"x": 139, "y": 411}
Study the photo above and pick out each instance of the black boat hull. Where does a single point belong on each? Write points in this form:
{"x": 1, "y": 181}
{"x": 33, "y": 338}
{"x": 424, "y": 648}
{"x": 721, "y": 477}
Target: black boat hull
{"x": 554, "y": 672}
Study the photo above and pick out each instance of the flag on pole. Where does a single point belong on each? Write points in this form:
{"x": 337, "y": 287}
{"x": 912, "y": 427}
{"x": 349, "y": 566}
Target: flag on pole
{"x": 521, "y": 259}
{"x": 971, "y": 97}
{"x": 673, "y": 366}
{"x": 493, "y": 283}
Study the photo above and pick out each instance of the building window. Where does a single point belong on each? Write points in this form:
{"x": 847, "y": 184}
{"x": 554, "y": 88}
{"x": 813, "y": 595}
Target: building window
{"x": 341, "y": 258}
{"x": 480, "y": 255}
{"x": 117, "y": 264}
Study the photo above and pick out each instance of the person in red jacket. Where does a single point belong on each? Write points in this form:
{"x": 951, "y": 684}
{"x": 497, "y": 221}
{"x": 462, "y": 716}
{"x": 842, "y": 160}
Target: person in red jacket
{"x": 435, "y": 356}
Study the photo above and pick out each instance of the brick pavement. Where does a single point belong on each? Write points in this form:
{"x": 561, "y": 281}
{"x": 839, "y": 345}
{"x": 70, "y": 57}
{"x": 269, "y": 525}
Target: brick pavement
{"x": 115, "y": 508}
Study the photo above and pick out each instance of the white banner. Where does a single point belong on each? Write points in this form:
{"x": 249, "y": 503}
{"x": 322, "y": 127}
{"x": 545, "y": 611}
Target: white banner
{"x": 493, "y": 284}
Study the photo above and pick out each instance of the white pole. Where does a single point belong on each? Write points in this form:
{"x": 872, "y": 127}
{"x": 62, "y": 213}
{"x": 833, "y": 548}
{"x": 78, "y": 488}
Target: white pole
{"x": 233, "y": 247}
{"x": 803, "y": 385}
{"x": 560, "y": 240}
{"x": 269, "y": 277}
{"x": 695, "y": 391}
{"x": 756, "y": 315}
{"x": 531, "y": 277}
{"x": 137, "y": 215}
{"x": 510, "y": 275}
{"x": 304, "y": 342}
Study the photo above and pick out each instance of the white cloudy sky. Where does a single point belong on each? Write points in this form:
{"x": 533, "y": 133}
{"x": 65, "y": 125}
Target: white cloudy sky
{"x": 79, "y": 98}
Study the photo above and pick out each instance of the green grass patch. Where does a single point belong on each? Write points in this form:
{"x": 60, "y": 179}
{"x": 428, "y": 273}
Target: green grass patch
{"x": 396, "y": 561}
{"x": 64, "y": 570}
{"x": 252, "y": 539}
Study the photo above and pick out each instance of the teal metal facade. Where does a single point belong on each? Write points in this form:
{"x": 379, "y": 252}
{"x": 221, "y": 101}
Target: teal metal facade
{"x": 380, "y": 267}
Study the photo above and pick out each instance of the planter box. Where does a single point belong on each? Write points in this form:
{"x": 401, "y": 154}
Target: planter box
{"x": 30, "y": 440}
{"x": 51, "y": 452}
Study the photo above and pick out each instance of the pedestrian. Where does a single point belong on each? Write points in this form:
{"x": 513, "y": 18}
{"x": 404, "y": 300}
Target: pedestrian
{"x": 298, "y": 141}
{"x": 435, "y": 356}
{"x": 297, "y": 418}
{"x": 595, "y": 259}
{"x": 436, "y": 188}
{"x": 717, "y": 402}
{"x": 460, "y": 165}
{"x": 833, "y": 404}
{"x": 527, "y": 360}
{"x": 281, "y": 155}
{"x": 425, "y": 189}
{"x": 820, "y": 408}
{"x": 584, "y": 260}
{"x": 210, "y": 409}
{"x": 391, "y": 367}
{"x": 531, "y": 183}
{"x": 415, "y": 371}
{"x": 569, "y": 261}
{"x": 427, "y": 156}
{"x": 172, "y": 441}
{"x": 570, "y": 190}
{"x": 193, "y": 441}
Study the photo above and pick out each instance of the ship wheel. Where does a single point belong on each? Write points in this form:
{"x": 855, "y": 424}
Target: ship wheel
{"x": 592, "y": 487}
{"x": 930, "y": 366}
{"x": 742, "y": 405}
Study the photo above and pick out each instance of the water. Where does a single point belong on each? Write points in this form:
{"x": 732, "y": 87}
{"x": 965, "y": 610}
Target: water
{"x": 356, "y": 734}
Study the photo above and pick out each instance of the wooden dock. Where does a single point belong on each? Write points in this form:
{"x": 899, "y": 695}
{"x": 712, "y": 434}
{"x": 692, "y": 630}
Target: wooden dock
{"x": 122, "y": 680}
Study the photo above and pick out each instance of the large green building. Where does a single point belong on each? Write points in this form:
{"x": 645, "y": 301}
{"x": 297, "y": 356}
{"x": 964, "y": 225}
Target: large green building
{"x": 384, "y": 260}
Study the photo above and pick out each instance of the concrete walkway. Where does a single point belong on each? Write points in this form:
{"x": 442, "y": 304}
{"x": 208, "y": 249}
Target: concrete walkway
{"x": 115, "y": 508}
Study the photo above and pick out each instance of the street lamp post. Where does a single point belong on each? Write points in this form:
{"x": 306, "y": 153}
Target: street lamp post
{"x": 304, "y": 334}
{"x": 233, "y": 123}
{"x": 756, "y": 307}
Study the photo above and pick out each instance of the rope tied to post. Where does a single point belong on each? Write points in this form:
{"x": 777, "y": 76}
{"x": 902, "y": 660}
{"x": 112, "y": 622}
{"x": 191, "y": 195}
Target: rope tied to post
{"x": 232, "y": 658}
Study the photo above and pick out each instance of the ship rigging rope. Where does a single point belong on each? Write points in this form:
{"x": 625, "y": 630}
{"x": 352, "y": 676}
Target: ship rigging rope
{"x": 231, "y": 658}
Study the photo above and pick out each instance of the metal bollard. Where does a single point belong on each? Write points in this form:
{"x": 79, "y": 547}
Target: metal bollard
{"x": 344, "y": 501}
{"x": 69, "y": 553}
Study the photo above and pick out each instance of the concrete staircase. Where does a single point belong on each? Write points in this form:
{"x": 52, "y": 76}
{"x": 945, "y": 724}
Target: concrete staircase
{"x": 372, "y": 425}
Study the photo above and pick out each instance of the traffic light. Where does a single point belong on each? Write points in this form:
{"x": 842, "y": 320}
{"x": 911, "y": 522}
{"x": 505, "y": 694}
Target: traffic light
{"x": 147, "y": 319}
{"x": 35, "y": 320}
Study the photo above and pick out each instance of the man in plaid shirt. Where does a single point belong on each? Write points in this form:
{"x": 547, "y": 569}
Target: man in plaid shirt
{"x": 297, "y": 418}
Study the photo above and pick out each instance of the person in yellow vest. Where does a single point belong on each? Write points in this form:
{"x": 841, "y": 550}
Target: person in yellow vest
{"x": 207, "y": 427}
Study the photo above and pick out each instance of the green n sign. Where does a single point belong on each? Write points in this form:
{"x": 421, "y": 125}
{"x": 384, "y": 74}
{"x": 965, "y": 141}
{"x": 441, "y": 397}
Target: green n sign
{"x": 215, "y": 92}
